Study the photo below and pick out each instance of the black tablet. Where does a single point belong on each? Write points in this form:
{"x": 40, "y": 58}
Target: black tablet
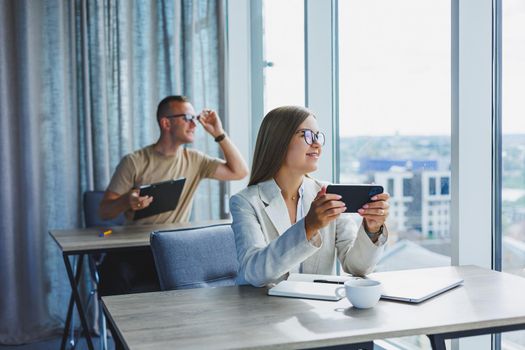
{"x": 165, "y": 195}
{"x": 355, "y": 196}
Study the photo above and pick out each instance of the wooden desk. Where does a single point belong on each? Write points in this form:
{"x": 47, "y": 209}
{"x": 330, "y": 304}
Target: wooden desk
{"x": 245, "y": 317}
{"x": 87, "y": 241}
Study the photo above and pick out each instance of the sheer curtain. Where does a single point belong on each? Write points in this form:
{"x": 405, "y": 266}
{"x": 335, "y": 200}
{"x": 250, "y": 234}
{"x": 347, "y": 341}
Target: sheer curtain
{"x": 79, "y": 85}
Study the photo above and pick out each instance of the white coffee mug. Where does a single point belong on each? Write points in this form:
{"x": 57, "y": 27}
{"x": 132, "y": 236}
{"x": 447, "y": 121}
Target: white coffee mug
{"x": 363, "y": 293}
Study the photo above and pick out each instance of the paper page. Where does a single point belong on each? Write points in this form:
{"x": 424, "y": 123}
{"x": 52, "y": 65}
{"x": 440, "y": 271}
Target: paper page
{"x": 307, "y": 290}
{"x": 306, "y": 277}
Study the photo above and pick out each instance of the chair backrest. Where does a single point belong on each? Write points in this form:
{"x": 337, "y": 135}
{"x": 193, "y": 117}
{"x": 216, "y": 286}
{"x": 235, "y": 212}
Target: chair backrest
{"x": 195, "y": 257}
{"x": 92, "y": 201}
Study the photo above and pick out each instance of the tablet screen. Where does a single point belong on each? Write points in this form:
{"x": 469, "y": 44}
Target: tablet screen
{"x": 165, "y": 195}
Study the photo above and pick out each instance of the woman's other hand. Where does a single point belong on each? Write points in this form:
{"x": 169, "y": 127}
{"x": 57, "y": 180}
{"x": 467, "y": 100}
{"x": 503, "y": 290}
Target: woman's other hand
{"x": 375, "y": 213}
{"x": 325, "y": 208}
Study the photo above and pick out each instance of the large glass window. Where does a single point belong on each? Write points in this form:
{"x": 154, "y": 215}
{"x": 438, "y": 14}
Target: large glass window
{"x": 394, "y": 92}
{"x": 394, "y": 112}
{"x": 394, "y": 121}
{"x": 283, "y": 51}
{"x": 513, "y": 142}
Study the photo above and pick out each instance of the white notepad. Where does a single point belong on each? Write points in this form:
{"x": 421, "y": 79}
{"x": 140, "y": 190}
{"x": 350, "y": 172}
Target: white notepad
{"x": 307, "y": 277}
{"x": 307, "y": 290}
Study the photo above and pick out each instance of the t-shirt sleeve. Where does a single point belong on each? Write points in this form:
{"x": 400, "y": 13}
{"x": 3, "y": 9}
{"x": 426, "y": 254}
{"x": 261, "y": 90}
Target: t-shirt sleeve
{"x": 124, "y": 177}
{"x": 207, "y": 164}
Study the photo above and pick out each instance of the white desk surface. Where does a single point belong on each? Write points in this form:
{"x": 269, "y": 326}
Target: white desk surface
{"x": 85, "y": 240}
{"x": 245, "y": 317}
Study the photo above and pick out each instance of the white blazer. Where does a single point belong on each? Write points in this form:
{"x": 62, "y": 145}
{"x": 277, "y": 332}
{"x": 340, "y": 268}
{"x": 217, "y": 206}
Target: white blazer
{"x": 268, "y": 246}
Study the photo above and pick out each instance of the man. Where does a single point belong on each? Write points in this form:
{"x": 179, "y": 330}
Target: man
{"x": 166, "y": 159}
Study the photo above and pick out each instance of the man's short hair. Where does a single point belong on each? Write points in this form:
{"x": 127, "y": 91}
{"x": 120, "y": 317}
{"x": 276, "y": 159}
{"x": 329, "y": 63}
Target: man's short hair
{"x": 164, "y": 108}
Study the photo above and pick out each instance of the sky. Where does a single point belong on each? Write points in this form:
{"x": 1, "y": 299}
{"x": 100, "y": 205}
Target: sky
{"x": 394, "y": 64}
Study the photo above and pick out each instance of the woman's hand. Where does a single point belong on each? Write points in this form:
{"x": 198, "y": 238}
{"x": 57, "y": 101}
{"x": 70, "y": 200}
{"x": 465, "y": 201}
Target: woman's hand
{"x": 375, "y": 213}
{"x": 325, "y": 208}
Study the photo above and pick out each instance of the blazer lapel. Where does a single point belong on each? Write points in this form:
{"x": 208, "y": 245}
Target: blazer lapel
{"x": 275, "y": 207}
{"x": 311, "y": 187}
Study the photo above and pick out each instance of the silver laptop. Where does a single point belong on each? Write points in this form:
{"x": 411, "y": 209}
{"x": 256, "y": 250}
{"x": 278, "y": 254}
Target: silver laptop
{"x": 418, "y": 285}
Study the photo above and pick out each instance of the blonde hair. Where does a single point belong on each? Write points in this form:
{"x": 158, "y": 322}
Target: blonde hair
{"x": 275, "y": 134}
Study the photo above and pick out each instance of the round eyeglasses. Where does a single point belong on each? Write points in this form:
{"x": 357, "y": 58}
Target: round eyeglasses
{"x": 310, "y": 136}
{"x": 187, "y": 117}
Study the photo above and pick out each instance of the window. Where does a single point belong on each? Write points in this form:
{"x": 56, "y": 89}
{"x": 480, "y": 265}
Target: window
{"x": 445, "y": 186}
{"x": 390, "y": 187}
{"x": 432, "y": 186}
{"x": 394, "y": 117}
{"x": 407, "y": 187}
{"x": 283, "y": 53}
{"x": 513, "y": 143}
{"x": 393, "y": 95}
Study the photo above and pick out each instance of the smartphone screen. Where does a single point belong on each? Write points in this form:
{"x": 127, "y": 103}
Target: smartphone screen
{"x": 355, "y": 196}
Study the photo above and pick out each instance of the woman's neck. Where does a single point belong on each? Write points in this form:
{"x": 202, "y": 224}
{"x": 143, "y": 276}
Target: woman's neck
{"x": 288, "y": 183}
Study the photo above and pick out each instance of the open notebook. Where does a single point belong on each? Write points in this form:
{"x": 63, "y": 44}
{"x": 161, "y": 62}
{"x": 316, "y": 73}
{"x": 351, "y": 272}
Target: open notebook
{"x": 304, "y": 285}
{"x": 413, "y": 286}
{"x": 307, "y": 290}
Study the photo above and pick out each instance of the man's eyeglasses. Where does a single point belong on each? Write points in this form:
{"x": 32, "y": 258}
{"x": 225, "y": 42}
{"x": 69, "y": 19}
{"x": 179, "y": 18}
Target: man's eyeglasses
{"x": 310, "y": 137}
{"x": 187, "y": 117}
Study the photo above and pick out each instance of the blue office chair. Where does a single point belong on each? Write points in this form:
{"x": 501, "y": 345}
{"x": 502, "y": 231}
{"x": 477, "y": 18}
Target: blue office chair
{"x": 91, "y": 203}
{"x": 195, "y": 257}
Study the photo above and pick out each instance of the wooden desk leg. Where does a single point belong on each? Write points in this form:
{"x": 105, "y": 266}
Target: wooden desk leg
{"x": 437, "y": 342}
{"x": 74, "y": 284}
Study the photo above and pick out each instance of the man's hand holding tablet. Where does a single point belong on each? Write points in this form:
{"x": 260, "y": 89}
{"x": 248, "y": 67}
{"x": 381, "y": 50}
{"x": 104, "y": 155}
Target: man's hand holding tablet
{"x": 166, "y": 195}
{"x": 136, "y": 202}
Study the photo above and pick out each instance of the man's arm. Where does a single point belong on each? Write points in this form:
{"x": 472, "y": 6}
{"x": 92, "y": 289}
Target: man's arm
{"x": 113, "y": 204}
{"x": 235, "y": 167}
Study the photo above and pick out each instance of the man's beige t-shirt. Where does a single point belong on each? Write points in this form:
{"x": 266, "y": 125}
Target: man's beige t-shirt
{"x": 146, "y": 166}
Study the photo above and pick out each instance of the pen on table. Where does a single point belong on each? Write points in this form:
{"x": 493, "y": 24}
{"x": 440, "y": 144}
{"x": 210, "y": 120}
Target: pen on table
{"x": 326, "y": 281}
{"x": 105, "y": 233}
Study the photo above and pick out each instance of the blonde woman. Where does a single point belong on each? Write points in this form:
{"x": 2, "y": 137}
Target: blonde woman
{"x": 284, "y": 221}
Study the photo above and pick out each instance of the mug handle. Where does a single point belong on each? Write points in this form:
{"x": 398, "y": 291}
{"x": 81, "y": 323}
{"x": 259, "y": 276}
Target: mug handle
{"x": 338, "y": 292}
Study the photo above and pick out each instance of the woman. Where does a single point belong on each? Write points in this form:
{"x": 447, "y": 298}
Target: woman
{"x": 284, "y": 221}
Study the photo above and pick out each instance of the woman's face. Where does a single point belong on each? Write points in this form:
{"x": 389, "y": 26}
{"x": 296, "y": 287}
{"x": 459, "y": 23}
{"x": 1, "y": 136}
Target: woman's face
{"x": 301, "y": 157}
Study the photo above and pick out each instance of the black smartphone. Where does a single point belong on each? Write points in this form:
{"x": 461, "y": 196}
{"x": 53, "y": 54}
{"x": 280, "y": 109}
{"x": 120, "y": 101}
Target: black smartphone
{"x": 355, "y": 196}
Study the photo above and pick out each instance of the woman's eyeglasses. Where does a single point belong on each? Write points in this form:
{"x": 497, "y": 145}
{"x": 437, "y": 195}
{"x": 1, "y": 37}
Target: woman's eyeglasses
{"x": 310, "y": 137}
{"x": 187, "y": 117}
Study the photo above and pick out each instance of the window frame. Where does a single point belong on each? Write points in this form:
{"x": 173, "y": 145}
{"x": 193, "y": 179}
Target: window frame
{"x": 475, "y": 182}
{"x": 474, "y": 160}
